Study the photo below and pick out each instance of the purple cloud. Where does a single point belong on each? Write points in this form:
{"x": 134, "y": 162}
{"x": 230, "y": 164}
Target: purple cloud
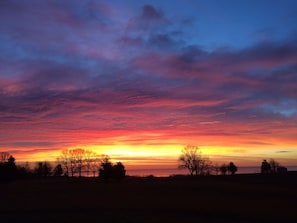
{"x": 149, "y": 19}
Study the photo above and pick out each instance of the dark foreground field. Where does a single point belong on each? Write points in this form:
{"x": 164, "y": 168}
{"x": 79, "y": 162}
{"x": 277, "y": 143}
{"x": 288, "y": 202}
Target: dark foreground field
{"x": 241, "y": 198}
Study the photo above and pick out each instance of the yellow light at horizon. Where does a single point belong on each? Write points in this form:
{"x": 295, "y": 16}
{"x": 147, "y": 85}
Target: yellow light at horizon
{"x": 161, "y": 154}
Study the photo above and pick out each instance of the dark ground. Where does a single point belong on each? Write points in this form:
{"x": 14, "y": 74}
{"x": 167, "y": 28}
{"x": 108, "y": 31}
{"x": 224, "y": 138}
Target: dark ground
{"x": 239, "y": 198}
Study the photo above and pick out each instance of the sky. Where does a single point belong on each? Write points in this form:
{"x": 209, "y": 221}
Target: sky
{"x": 139, "y": 80}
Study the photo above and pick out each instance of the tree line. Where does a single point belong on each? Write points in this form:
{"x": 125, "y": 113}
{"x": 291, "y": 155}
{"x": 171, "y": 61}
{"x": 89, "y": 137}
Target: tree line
{"x": 191, "y": 159}
{"x": 75, "y": 162}
{"x": 71, "y": 163}
{"x": 80, "y": 162}
{"x": 272, "y": 167}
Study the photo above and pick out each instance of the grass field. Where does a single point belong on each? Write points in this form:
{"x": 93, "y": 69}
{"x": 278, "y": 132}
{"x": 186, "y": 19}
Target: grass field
{"x": 239, "y": 198}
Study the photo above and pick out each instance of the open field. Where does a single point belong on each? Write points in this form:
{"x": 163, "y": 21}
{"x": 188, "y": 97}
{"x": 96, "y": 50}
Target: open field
{"x": 239, "y": 198}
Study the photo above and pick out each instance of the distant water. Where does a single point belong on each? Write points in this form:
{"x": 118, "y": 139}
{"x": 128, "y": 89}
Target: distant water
{"x": 161, "y": 172}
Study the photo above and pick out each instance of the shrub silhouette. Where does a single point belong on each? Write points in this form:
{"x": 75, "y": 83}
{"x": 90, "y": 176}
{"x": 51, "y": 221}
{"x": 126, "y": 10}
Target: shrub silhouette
{"x": 43, "y": 169}
{"x": 232, "y": 168}
{"x": 58, "y": 171}
{"x": 223, "y": 169}
{"x": 8, "y": 169}
{"x": 272, "y": 167}
{"x": 265, "y": 167}
{"x": 119, "y": 171}
{"x": 107, "y": 170}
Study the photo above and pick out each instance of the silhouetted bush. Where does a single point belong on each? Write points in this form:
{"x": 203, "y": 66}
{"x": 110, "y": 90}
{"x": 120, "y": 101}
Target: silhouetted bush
{"x": 265, "y": 167}
{"x": 281, "y": 170}
{"x": 24, "y": 172}
{"x": 58, "y": 171}
{"x": 43, "y": 169}
{"x": 272, "y": 167}
{"x": 8, "y": 169}
{"x": 232, "y": 169}
{"x": 119, "y": 171}
{"x": 108, "y": 171}
{"x": 223, "y": 169}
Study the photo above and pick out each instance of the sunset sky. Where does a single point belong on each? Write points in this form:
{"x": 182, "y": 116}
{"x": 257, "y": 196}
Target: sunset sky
{"x": 139, "y": 80}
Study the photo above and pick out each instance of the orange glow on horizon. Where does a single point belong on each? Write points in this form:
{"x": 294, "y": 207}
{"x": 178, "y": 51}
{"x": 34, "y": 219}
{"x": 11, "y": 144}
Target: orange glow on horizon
{"x": 167, "y": 155}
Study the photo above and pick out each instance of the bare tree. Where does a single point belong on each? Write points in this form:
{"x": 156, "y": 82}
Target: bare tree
{"x": 192, "y": 160}
{"x": 204, "y": 166}
{"x": 224, "y": 169}
{"x": 77, "y": 161}
{"x": 78, "y": 157}
{"x": 88, "y": 160}
{"x": 4, "y": 156}
{"x": 216, "y": 169}
{"x": 274, "y": 165}
{"x": 72, "y": 162}
{"x": 94, "y": 163}
{"x": 65, "y": 160}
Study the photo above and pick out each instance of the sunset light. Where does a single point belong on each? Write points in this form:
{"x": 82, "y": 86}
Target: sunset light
{"x": 140, "y": 80}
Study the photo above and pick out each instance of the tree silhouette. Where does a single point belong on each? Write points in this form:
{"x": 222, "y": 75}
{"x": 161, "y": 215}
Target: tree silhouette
{"x": 265, "y": 167}
{"x": 216, "y": 168}
{"x": 88, "y": 156}
{"x": 24, "y": 171}
{"x": 119, "y": 171}
{"x": 232, "y": 168}
{"x": 58, "y": 171}
{"x": 204, "y": 167}
{"x": 43, "y": 169}
{"x": 94, "y": 164}
{"x": 79, "y": 161}
{"x": 8, "y": 169}
{"x": 64, "y": 158}
{"x": 223, "y": 169}
{"x": 106, "y": 168}
{"x": 274, "y": 165}
{"x": 4, "y": 156}
{"x": 189, "y": 159}
{"x": 192, "y": 160}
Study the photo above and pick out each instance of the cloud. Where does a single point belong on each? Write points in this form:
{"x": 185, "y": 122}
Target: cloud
{"x": 284, "y": 151}
{"x": 72, "y": 75}
{"x": 150, "y": 13}
{"x": 151, "y": 30}
{"x": 210, "y": 123}
{"x": 149, "y": 19}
